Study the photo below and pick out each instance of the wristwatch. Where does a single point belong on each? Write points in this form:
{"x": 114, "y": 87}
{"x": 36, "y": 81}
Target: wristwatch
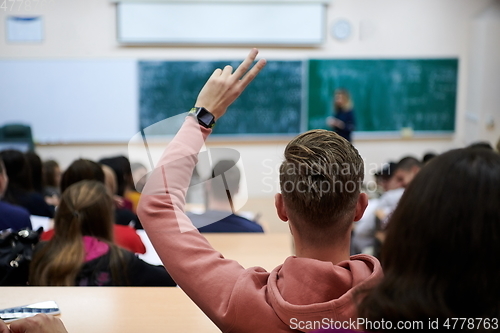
{"x": 205, "y": 118}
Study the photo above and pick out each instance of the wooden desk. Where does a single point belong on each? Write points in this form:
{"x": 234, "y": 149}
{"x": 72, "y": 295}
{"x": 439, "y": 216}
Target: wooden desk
{"x": 249, "y": 249}
{"x": 116, "y": 309}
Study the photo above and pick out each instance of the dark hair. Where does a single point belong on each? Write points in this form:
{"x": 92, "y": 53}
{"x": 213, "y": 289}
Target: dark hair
{"x": 35, "y": 164}
{"x": 387, "y": 171}
{"x": 442, "y": 244}
{"x": 407, "y": 163}
{"x": 427, "y": 157}
{"x": 481, "y": 145}
{"x": 18, "y": 171}
{"x": 81, "y": 169}
{"x": 231, "y": 179}
{"x": 121, "y": 167}
{"x": 49, "y": 173}
{"x": 2, "y": 166}
{"x": 320, "y": 181}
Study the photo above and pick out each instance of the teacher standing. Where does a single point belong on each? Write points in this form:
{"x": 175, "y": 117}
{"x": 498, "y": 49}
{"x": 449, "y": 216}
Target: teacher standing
{"x": 343, "y": 121}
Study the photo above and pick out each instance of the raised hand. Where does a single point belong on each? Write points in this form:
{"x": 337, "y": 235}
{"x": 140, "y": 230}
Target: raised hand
{"x": 224, "y": 86}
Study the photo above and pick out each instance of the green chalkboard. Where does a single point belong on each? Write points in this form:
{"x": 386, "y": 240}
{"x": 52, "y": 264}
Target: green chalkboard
{"x": 271, "y": 104}
{"x": 387, "y": 94}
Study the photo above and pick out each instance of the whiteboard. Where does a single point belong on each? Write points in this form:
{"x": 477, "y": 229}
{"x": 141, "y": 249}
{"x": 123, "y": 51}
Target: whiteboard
{"x": 300, "y": 24}
{"x": 71, "y": 100}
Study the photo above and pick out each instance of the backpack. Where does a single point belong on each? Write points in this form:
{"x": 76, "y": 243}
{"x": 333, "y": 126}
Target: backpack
{"x": 16, "y": 252}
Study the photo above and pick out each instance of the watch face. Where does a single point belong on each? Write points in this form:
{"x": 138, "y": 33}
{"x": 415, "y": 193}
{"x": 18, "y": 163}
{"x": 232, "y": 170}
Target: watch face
{"x": 341, "y": 29}
{"x": 205, "y": 117}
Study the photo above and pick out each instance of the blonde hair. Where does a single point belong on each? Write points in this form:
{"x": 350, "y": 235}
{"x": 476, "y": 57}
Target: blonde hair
{"x": 86, "y": 209}
{"x": 348, "y": 105}
{"x": 320, "y": 181}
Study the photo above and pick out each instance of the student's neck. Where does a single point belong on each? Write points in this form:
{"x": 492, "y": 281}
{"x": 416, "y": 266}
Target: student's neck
{"x": 335, "y": 252}
{"x": 332, "y": 254}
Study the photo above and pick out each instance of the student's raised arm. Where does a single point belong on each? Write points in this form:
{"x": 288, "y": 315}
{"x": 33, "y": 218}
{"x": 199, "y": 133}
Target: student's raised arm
{"x": 203, "y": 273}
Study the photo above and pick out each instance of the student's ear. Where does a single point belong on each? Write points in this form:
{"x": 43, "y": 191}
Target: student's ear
{"x": 361, "y": 206}
{"x": 280, "y": 207}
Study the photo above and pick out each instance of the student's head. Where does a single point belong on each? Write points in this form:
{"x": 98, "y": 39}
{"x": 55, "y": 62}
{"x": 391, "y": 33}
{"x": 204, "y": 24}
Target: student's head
{"x": 121, "y": 167}
{"x": 320, "y": 180}
{"x": 443, "y": 242}
{"x": 4, "y": 179}
{"x": 110, "y": 179}
{"x": 427, "y": 157}
{"x": 385, "y": 177}
{"x": 18, "y": 172}
{"x": 480, "y": 145}
{"x": 51, "y": 173}
{"x": 216, "y": 190}
{"x": 35, "y": 164}
{"x": 342, "y": 100}
{"x": 86, "y": 209}
{"x": 81, "y": 169}
{"x": 406, "y": 170}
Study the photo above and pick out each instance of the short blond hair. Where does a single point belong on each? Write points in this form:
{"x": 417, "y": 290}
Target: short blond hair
{"x": 320, "y": 181}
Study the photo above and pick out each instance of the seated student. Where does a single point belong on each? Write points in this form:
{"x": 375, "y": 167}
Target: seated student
{"x": 121, "y": 167}
{"x": 51, "y": 182}
{"x": 35, "y": 166}
{"x": 124, "y": 185}
{"x": 83, "y": 169}
{"x": 82, "y": 251}
{"x": 123, "y": 216}
{"x": 40, "y": 323}
{"x": 220, "y": 216}
{"x": 20, "y": 190}
{"x": 406, "y": 169}
{"x": 11, "y": 216}
{"x": 320, "y": 281}
{"x": 363, "y": 239}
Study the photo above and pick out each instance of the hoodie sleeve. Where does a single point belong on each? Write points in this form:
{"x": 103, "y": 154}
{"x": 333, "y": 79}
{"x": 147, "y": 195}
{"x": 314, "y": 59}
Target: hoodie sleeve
{"x": 202, "y": 272}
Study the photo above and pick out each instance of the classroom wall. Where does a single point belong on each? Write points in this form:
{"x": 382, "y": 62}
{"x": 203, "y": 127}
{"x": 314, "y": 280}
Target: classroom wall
{"x": 467, "y": 29}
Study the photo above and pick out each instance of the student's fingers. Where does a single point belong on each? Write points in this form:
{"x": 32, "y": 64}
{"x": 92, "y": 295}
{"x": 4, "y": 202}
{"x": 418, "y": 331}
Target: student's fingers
{"x": 227, "y": 71}
{"x": 245, "y": 65}
{"x": 252, "y": 73}
{"x": 3, "y": 327}
{"x": 41, "y": 323}
{"x": 216, "y": 73}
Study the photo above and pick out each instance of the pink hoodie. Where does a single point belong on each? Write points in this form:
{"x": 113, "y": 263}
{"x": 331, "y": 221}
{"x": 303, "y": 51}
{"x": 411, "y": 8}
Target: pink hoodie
{"x": 296, "y": 296}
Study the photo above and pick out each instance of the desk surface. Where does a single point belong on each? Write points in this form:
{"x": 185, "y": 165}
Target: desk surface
{"x": 116, "y": 309}
{"x": 249, "y": 249}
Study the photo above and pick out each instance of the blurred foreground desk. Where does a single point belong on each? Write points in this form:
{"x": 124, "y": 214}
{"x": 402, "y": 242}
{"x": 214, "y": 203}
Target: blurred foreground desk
{"x": 116, "y": 309}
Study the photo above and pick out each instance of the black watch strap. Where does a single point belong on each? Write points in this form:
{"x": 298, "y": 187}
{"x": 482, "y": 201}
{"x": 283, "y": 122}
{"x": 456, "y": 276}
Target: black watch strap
{"x": 205, "y": 118}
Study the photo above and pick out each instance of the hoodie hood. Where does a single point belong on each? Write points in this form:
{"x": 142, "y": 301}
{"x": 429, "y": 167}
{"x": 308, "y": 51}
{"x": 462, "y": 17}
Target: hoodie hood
{"x": 304, "y": 289}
